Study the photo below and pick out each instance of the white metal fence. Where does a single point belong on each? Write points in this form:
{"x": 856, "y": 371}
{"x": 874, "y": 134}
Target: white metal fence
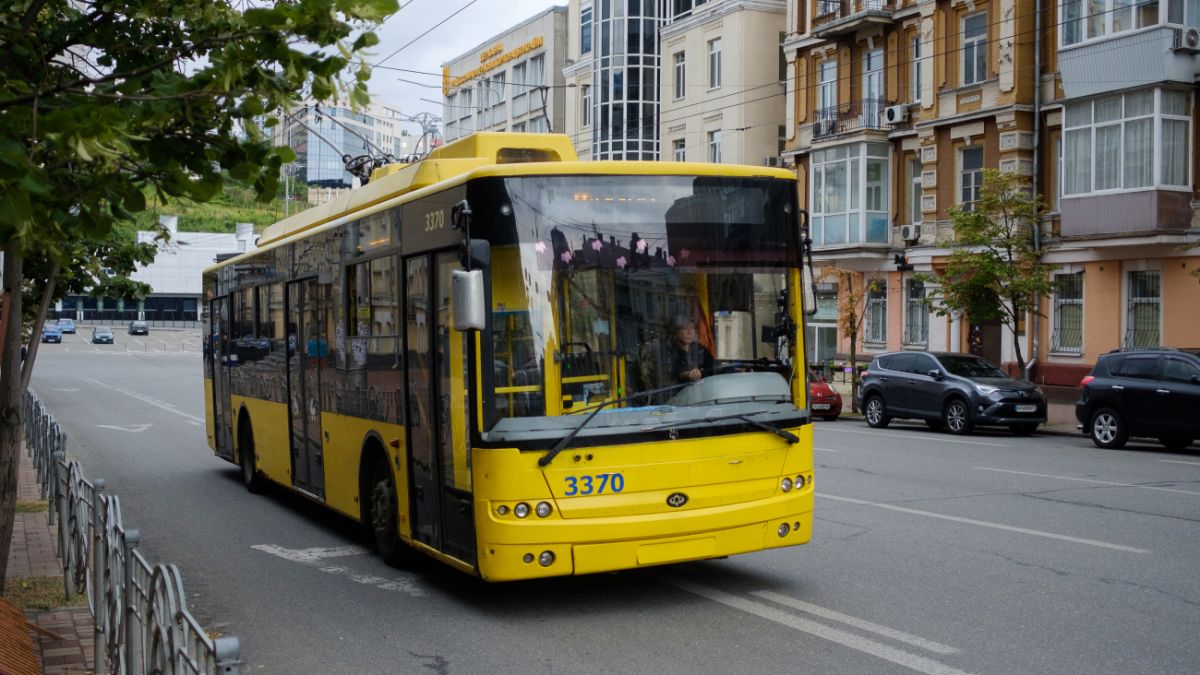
{"x": 139, "y": 610}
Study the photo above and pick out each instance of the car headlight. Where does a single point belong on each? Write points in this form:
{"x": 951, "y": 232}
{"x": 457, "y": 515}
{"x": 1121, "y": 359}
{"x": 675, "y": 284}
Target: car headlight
{"x": 985, "y": 389}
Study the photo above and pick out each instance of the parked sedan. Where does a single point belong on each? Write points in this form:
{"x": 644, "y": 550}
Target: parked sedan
{"x": 1142, "y": 392}
{"x": 66, "y": 326}
{"x": 824, "y": 400}
{"x": 102, "y": 335}
{"x": 139, "y": 328}
{"x": 51, "y": 334}
{"x": 949, "y": 391}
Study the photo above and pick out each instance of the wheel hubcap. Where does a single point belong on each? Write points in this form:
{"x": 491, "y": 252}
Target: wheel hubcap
{"x": 873, "y": 412}
{"x": 1105, "y": 428}
{"x": 955, "y": 417}
{"x": 381, "y": 506}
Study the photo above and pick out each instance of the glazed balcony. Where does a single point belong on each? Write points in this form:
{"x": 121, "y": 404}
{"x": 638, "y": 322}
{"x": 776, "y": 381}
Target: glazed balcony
{"x": 841, "y": 17}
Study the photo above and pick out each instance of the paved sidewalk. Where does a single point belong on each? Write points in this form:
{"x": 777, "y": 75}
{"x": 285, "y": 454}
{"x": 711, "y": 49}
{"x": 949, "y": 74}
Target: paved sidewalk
{"x": 32, "y": 554}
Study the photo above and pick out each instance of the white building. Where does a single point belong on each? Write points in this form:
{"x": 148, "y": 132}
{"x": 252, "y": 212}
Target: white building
{"x": 321, "y": 134}
{"x": 510, "y": 82}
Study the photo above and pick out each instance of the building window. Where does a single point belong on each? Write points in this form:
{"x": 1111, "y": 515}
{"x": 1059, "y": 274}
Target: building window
{"x": 585, "y": 105}
{"x": 974, "y": 49}
{"x": 585, "y": 30}
{"x": 714, "y": 63}
{"x": 1091, "y": 19}
{"x": 970, "y": 176}
{"x": 850, "y": 201}
{"x": 872, "y": 88}
{"x": 714, "y": 146}
{"x": 1111, "y": 143}
{"x": 916, "y": 187}
{"x": 1067, "y": 298}
{"x": 914, "y": 75}
{"x": 1143, "y": 314}
{"x": 827, "y": 86}
{"x": 916, "y": 314}
{"x": 875, "y": 328}
{"x": 537, "y": 71}
{"x": 680, "y": 76}
{"x": 678, "y": 150}
{"x": 518, "y": 127}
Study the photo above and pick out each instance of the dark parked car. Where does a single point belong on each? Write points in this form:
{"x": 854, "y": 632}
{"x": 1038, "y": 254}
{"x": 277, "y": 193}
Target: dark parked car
{"x": 51, "y": 334}
{"x": 139, "y": 328}
{"x": 102, "y": 335}
{"x": 1142, "y": 392}
{"x": 66, "y": 326}
{"x": 951, "y": 391}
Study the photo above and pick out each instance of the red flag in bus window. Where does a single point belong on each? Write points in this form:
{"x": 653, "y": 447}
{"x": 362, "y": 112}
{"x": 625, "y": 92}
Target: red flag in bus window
{"x": 704, "y": 334}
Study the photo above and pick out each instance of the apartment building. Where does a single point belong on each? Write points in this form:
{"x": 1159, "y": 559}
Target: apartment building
{"x": 896, "y": 107}
{"x": 512, "y": 81}
{"x": 722, "y": 81}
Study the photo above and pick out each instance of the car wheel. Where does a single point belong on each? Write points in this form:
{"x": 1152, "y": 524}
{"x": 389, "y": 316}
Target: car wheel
{"x": 251, "y": 478}
{"x": 1175, "y": 443}
{"x": 1107, "y": 429}
{"x": 936, "y": 425}
{"x": 1023, "y": 429}
{"x": 957, "y": 417}
{"x": 876, "y": 412}
{"x": 382, "y": 514}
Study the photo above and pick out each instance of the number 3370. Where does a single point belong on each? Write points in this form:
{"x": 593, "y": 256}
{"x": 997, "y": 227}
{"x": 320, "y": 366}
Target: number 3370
{"x": 597, "y": 484}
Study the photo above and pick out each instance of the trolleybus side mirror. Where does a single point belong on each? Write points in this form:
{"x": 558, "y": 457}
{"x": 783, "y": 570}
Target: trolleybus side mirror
{"x": 467, "y": 299}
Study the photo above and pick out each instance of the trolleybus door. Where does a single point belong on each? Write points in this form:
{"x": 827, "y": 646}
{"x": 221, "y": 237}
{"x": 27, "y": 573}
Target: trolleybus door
{"x": 308, "y": 348}
{"x": 222, "y": 408}
{"x": 438, "y": 414}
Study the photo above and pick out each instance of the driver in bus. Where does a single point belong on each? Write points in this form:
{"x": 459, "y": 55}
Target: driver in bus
{"x": 689, "y": 360}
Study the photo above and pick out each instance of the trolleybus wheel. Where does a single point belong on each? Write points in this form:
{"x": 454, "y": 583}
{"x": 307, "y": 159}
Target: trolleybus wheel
{"x": 251, "y": 478}
{"x": 382, "y": 512}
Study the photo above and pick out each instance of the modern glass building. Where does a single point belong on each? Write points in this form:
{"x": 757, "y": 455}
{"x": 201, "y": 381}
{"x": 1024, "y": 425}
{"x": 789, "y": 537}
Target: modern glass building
{"x": 625, "y": 71}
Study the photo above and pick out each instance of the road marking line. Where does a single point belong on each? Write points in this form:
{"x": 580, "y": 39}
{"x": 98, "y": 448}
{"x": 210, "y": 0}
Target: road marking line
{"x": 132, "y": 428}
{"x": 868, "y": 646}
{"x": 1088, "y": 480}
{"x": 313, "y": 556}
{"x": 929, "y": 438}
{"x": 833, "y": 615}
{"x": 1175, "y": 461}
{"x": 145, "y": 399}
{"x": 984, "y": 523}
{"x": 826, "y": 450}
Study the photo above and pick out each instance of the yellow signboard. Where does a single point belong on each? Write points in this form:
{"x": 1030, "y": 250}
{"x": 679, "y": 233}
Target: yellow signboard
{"x": 449, "y": 82}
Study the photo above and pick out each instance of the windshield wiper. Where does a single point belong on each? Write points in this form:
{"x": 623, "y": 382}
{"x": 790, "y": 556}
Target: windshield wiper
{"x": 566, "y": 440}
{"x": 788, "y": 436}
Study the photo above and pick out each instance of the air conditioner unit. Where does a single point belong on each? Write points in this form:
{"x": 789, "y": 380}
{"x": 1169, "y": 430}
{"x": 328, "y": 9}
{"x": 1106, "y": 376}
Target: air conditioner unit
{"x": 895, "y": 114}
{"x": 1187, "y": 40}
{"x": 910, "y": 232}
{"x": 771, "y": 161}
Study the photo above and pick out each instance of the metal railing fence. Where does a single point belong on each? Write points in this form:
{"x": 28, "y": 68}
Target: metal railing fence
{"x": 142, "y": 624}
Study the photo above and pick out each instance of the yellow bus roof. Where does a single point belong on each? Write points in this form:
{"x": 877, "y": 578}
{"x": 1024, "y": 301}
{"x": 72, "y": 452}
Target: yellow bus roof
{"x": 481, "y": 155}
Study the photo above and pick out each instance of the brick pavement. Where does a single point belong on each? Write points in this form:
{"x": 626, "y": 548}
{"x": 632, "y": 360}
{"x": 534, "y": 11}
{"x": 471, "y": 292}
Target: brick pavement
{"x": 33, "y": 554}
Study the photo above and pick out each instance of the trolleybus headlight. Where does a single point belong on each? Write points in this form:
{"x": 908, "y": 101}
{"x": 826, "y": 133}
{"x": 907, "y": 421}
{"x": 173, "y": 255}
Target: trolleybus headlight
{"x": 786, "y": 485}
{"x": 546, "y": 559}
{"x": 502, "y": 510}
{"x": 543, "y": 509}
{"x": 800, "y": 482}
{"x": 784, "y": 528}
{"x": 528, "y": 558}
{"x": 521, "y": 510}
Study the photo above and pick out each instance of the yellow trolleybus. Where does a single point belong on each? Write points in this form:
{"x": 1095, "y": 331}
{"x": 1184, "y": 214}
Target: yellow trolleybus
{"x": 524, "y": 365}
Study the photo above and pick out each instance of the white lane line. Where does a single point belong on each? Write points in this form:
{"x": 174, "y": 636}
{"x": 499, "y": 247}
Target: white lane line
{"x": 1089, "y": 480}
{"x": 1175, "y": 461}
{"x": 406, "y": 584}
{"x": 826, "y": 450}
{"x": 984, "y": 523}
{"x": 145, "y": 399}
{"x": 890, "y": 633}
{"x": 930, "y": 438}
{"x": 868, "y": 646}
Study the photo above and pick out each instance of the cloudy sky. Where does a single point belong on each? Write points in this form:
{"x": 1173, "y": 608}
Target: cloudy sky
{"x": 475, "y": 23}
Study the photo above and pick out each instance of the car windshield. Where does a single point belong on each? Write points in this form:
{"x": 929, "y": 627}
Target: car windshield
{"x": 606, "y": 287}
{"x": 965, "y": 365}
{"x": 103, "y": 331}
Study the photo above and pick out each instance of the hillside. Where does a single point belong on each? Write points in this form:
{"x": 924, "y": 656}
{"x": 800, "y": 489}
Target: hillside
{"x": 236, "y": 204}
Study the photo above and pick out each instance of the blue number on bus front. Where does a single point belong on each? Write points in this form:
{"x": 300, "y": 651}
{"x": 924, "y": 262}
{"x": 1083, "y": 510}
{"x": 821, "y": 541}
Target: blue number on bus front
{"x": 586, "y": 485}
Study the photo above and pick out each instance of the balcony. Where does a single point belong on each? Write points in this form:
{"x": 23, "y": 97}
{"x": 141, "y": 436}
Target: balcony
{"x": 863, "y": 115}
{"x": 840, "y": 17}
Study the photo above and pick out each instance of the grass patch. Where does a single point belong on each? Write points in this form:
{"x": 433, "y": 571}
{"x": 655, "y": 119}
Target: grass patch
{"x": 39, "y": 593}
{"x": 28, "y": 506}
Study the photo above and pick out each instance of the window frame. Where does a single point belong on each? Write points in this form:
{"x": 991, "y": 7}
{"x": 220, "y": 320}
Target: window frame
{"x": 976, "y": 175}
{"x": 875, "y": 327}
{"x": 1132, "y": 302}
{"x": 714, "y": 63}
{"x": 916, "y": 314}
{"x": 679, "y": 59}
{"x": 914, "y": 73}
{"x": 855, "y": 193}
{"x": 1057, "y": 303}
{"x": 585, "y": 105}
{"x": 971, "y": 56}
{"x": 714, "y": 146}
{"x": 679, "y": 150}
{"x": 585, "y": 26}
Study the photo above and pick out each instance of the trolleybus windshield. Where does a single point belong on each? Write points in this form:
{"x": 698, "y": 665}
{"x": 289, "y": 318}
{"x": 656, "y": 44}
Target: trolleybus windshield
{"x": 601, "y": 285}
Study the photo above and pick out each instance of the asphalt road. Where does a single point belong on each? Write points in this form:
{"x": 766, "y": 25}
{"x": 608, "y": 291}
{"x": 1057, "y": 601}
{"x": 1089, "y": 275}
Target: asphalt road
{"x": 931, "y": 553}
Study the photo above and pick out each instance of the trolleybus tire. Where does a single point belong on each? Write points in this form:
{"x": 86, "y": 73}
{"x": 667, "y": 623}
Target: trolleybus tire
{"x": 251, "y": 478}
{"x": 381, "y": 511}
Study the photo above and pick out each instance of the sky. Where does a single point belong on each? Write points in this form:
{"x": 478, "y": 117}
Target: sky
{"x": 478, "y": 22}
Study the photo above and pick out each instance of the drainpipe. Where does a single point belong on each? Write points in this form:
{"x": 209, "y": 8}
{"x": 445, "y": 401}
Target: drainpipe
{"x": 1037, "y": 167}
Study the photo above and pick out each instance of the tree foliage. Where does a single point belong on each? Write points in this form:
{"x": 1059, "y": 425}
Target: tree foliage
{"x": 852, "y": 313}
{"x": 105, "y": 101}
{"x": 996, "y": 271}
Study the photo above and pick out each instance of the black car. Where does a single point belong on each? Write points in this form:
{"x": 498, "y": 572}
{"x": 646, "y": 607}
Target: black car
{"x": 139, "y": 328}
{"x": 949, "y": 390}
{"x": 102, "y": 335}
{"x": 1142, "y": 392}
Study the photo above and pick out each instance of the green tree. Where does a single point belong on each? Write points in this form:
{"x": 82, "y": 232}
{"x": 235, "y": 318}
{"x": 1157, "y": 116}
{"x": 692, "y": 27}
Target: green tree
{"x": 996, "y": 271}
{"x": 852, "y": 314}
{"x": 102, "y": 102}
